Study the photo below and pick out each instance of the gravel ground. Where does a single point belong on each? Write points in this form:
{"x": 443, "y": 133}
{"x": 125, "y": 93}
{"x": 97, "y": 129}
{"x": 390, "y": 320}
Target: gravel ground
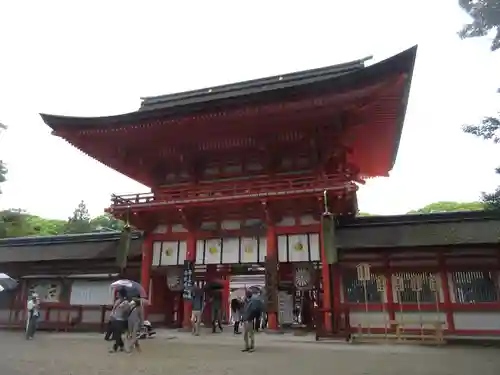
{"x": 179, "y": 353}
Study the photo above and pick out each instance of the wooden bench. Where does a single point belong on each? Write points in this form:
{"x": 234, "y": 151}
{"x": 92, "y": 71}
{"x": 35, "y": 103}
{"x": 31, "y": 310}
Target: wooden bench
{"x": 429, "y": 330}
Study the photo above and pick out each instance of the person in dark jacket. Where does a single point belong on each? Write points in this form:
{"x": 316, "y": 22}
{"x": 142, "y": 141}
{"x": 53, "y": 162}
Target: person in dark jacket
{"x": 251, "y": 310}
{"x": 119, "y": 320}
{"x": 197, "y": 312}
{"x": 236, "y": 313}
{"x": 216, "y": 302}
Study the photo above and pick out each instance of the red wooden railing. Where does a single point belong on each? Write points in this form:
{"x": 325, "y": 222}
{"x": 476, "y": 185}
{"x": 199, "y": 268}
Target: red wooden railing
{"x": 234, "y": 190}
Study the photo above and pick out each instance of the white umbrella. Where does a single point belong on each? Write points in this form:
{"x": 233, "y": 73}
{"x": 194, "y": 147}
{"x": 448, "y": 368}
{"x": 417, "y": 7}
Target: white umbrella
{"x": 133, "y": 288}
{"x": 7, "y": 282}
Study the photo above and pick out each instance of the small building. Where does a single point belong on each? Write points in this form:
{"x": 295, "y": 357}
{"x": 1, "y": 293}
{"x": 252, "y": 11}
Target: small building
{"x": 70, "y": 273}
{"x": 459, "y": 251}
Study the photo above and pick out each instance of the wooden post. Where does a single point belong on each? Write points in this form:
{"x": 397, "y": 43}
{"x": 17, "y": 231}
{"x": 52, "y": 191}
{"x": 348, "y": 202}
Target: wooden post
{"x": 272, "y": 253}
{"x": 325, "y": 275}
{"x": 147, "y": 260}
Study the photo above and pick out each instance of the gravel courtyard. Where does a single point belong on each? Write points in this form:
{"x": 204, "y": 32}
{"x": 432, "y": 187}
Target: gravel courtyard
{"x": 179, "y": 353}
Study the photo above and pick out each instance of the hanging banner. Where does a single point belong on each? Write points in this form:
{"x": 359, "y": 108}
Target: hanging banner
{"x": 328, "y": 236}
{"x": 188, "y": 279}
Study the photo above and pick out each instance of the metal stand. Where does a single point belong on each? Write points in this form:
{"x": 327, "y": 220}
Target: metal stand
{"x": 381, "y": 283}
{"x": 399, "y": 286}
{"x": 416, "y": 286}
{"x": 364, "y": 275}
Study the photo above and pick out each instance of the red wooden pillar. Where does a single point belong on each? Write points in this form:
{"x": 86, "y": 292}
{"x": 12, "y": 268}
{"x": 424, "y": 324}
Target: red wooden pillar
{"x": 327, "y": 284}
{"x": 190, "y": 255}
{"x": 225, "y": 299}
{"x": 272, "y": 252}
{"x": 146, "y": 263}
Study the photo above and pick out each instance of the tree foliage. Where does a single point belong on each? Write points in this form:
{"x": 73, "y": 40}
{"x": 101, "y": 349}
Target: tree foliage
{"x": 485, "y": 19}
{"x": 80, "y": 221}
{"x": 449, "y": 206}
{"x": 106, "y": 222}
{"x": 3, "y": 173}
{"x": 18, "y": 223}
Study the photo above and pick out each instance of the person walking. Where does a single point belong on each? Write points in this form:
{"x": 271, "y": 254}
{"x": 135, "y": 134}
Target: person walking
{"x": 251, "y": 310}
{"x": 119, "y": 319}
{"x": 33, "y": 308}
{"x": 236, "y": 314}
{"x": 198, "y": 304}
{"x": 216, "y": 302}
{"x": 135, "y": 323}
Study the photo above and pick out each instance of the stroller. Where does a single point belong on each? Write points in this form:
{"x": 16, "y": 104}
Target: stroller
{"x": 146, "y": 331}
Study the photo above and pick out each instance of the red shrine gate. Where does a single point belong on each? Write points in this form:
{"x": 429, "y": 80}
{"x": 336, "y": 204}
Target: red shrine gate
{"x": 238, "y": 173}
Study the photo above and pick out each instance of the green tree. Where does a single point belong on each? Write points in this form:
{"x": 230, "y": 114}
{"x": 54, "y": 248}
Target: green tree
{"x": 485, "y": 19}
{"x": 3, "y": 173}
{"x": 19, "y": 223}
{"x": 80, "y": 221}
{"x": 448, "y": 206}
{"x": 106, "y": 222}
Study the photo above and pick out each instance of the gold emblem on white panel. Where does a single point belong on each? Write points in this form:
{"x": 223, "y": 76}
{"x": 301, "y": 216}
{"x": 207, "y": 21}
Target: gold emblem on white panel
{"x": 298, "y": 246}
{"x": 169, "y": 251}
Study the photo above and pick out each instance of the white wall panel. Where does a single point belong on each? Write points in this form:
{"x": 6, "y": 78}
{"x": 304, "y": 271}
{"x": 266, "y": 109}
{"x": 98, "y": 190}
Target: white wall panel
{"x": 262, "y": 249}
{"x": 84, "y": 292}
{"x": 299, "y": 247}
{"x": 249, "y": 250}
{"x": 283, "y": 249}
{"x": 314, "y": 247}
{"x": 172, "y": 253}
{"x": 156, "y": 253}
{"x": 230, "y": 250}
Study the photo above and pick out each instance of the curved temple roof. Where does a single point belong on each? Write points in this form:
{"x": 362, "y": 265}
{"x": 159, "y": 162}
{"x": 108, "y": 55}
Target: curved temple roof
{"x": 341, "y": 77}
{"x": 374, "y": 146}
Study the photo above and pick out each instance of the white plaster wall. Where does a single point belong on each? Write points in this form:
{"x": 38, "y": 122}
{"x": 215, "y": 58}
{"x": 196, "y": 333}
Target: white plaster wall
{"x": 373, "y": 319}
{"x": 231, "y": 250}
{"x": 309, "y": 252}
{"x": 248, "y": 250}
{"x": 477, "y": 320}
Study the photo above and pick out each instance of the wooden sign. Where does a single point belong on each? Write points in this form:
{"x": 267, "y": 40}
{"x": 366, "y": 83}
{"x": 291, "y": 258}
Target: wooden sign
{"x": 364, "y": 273}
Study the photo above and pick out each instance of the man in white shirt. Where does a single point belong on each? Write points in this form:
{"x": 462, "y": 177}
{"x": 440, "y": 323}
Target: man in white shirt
{"x": 33, "y": 308}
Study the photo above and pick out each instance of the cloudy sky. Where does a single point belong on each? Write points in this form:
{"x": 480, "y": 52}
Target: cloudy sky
{"x": 99, "y": 57}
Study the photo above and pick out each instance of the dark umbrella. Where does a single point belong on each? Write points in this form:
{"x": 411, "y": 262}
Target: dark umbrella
{"x": 7, "y": 282}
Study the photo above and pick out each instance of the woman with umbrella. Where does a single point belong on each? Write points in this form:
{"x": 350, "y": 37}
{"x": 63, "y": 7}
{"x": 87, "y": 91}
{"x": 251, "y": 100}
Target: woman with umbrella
{"x": 119, "y": 320}
{"x": 120, "y": 314}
